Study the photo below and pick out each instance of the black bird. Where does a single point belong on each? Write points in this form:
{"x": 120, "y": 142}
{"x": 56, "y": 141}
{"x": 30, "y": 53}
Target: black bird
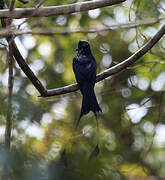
{"x": 84, "y": 67}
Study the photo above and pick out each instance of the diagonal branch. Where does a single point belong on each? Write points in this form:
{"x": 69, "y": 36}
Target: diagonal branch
{"x": 115, "y": 69}
{"x": 26, "y": 69}
{"x": 132, "y": 59}
{"x": 74, "y": 87}
{"x": 57, "y": 10}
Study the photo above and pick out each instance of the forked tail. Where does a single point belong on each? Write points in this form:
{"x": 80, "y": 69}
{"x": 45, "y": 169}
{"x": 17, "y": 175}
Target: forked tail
{"x": 89, "y": 101}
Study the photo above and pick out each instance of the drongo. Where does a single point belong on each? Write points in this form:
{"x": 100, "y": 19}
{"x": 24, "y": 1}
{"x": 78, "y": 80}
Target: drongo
{"x": 84, "y": 67}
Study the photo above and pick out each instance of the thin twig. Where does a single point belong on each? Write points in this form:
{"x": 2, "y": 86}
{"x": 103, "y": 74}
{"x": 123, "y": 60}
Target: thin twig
{"x": 136, "y": 12}
{"x": 158, "y": 120}
{"x": 32, "y": 14}
{"x": 137, "y": 42}
{"x": 40, "y": 3}
{"x": 23, "y": 1}
{"x": 130, "y": 8}
{"x": 5, "y": 45}
{"x": 16, "y": 32}
{"x": 12, "y": 5}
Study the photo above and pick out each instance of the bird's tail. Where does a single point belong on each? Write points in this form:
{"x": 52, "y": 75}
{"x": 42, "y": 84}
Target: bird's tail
{"x": 89, "y": 101}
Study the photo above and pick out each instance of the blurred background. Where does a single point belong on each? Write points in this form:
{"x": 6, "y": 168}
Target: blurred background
{"x": 44, "y": 143}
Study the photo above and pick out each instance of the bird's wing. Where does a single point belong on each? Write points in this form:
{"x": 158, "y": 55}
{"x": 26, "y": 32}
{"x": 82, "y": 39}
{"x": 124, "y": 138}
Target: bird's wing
{"x": 77, "y": 69}
{"x": 89, "y": 70}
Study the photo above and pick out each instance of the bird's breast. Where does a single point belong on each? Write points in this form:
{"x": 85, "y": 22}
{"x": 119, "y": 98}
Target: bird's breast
{"x": 88, "y": 66}
{"x": 82, "y": 59}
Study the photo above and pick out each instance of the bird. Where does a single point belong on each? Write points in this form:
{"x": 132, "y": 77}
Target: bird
{"x": 84, "y": 68}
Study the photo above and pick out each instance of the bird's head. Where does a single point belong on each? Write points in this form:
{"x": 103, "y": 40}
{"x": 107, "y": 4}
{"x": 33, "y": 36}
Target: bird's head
{"x": 83, "y": 47}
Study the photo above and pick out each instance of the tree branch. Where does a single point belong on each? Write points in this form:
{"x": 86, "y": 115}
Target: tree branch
{"x": 10, "y": 89}
{"x": 7, "y": 32}
{"x": 74, "y": 87}
{"x": 132, "y": 59}
{"x": 26, "y": 69}
{"x": 57, "y": 10}
{"x": 7, "y": 23}
{"x": 115, "y": 69}
{"x": 12, "y": 5}
{"x": 23, "y": 1}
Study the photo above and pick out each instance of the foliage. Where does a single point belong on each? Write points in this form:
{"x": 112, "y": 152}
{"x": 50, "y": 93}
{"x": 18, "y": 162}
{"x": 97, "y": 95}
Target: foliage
{"x": 131, "y": 130}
